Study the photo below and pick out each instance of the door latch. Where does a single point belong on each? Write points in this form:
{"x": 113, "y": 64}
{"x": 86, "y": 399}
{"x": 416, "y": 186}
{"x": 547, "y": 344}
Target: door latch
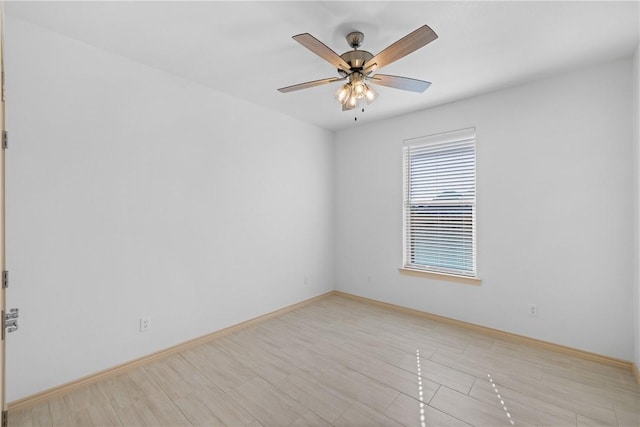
{"x": 11, "y": 320}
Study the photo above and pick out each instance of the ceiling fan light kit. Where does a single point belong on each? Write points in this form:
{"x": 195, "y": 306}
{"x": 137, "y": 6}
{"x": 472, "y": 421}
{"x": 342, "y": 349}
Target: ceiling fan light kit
{"x": 356, "y": 66}
{"x": 355, "y": 90}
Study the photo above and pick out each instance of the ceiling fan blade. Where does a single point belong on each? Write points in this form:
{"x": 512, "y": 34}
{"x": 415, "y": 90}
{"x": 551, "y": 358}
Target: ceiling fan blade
{"x": 320, "y": 49}
{"x": 409, "y": 43}
{"x": 396, "y": 82}
{"x": 309, "y": 84}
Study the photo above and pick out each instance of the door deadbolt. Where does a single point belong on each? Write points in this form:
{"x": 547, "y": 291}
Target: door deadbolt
{"x": 11, "y": 320}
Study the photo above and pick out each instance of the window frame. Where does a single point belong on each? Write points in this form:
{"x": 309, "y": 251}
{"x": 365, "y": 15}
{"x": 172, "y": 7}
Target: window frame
{"x": 447, "y": 142}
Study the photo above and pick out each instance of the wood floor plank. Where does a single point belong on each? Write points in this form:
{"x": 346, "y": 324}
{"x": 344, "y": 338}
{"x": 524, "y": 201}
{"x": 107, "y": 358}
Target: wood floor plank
{"x": 540, "y": 356}
{"x": 61, "y": 416}
{"x": 387, "y": 353}
{"x": 311, "y": 419}
{"x": 176, "y": 376}
{"x": 155, "y": 410}
{"x": 102, "y": 415}
{"x": 385, "y": 373}
{"x": 218, "y": 366}
{"x": 31, "y": 417}
{"x": 90, "y": 395}
{"x": 399, "y": 379}
{"x": 508, "y": 365}
{"x": 530, "y": 411}
{"x": 583, "y": 421}
{"x": 306, "y": 360}
{"x": 86, "y": 406}
{"x": 324, "y": 400}
{"x": 125, "y": 389}
{"x": 198, "y": 412}
{"x": 407, "y": 411}
{"x": 360, "y": 387}
{"x": 211, "y": 406}
{"x": 270, "y": 367}
{"x": 267, "y": 404}
{"x": 463, "y": 363}
{"x": 470, "y": 410}
{"x": 627, "y": 417}
{"x": 362, "y": 415}
{"x": 597, "y": 383}
{"x": 560, "y": 396}
{"x": 76, "y": 419}
{"x": 21, "y": 418}
{"x": 455, "y": 334}
{"x": 446, "y": 376}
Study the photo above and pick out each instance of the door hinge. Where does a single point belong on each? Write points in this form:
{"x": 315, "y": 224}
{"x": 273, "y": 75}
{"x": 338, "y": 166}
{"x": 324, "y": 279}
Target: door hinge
{"x": 5, "y": 279}
{"x": 5, "y": 140}
{"x": 5, "y": 418}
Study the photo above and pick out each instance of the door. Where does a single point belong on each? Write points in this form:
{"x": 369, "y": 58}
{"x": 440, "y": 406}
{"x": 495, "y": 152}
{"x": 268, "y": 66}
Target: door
{"x": 2, "y": 223}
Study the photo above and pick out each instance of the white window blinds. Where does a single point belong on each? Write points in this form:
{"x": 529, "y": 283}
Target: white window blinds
{"x": 440, "y": 203}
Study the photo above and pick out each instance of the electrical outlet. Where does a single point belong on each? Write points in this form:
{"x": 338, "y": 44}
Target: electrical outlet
{"x": 306, "y": 280}
{"x": 145, "y": 324}
{"x": 370, "y": 278}
{"x": 533, "y": 310}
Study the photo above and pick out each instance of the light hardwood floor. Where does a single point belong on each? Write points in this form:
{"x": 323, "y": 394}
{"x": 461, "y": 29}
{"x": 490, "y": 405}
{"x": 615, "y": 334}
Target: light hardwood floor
{"x": 342, "y": 362}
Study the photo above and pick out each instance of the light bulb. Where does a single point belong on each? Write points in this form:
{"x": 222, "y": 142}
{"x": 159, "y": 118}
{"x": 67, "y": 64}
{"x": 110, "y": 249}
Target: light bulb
{"x": 343, "y": 93}
{"x": 370, "y": 94}
{"x": 353, "y": 100}
{"x": 357, "y": 84}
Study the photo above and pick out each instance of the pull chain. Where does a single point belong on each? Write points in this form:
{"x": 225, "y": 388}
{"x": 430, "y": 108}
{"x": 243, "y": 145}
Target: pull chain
{"x": 355, "y": 118}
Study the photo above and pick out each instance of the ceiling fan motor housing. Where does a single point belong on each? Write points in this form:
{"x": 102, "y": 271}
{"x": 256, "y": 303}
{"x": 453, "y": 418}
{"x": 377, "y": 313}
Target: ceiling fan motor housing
{"x": 356, "y": 60}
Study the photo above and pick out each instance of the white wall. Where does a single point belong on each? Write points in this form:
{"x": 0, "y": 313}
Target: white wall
{"x": 132, "y": 192}
{"x": 555, "y": 203}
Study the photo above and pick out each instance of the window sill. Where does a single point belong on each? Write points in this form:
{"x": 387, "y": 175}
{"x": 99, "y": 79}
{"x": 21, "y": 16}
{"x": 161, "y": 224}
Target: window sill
{"x": 441, "y": 276}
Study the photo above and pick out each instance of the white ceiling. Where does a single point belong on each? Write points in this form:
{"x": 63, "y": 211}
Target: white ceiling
{"x": 245, "y": 48}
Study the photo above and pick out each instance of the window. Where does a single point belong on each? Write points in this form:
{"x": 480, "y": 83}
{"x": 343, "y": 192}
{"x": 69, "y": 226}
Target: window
{"x": 440, "y": 203}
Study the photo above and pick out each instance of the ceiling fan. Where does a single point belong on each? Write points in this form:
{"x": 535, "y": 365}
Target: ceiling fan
{"x": 356, "y": 66}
